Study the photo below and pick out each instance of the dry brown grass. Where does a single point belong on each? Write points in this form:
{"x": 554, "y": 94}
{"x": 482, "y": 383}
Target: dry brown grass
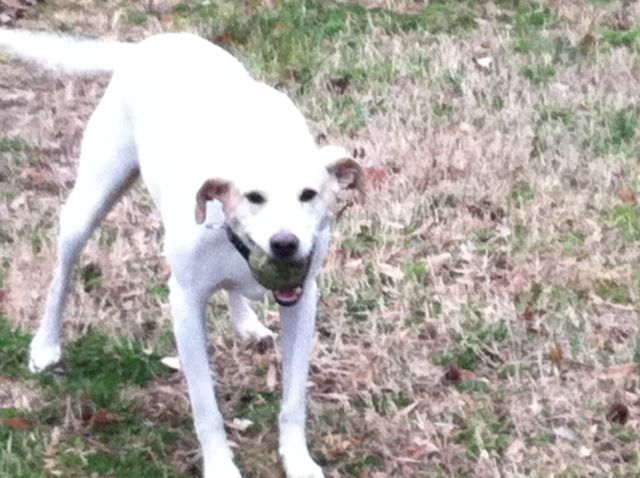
{"x": 450, "y": 152}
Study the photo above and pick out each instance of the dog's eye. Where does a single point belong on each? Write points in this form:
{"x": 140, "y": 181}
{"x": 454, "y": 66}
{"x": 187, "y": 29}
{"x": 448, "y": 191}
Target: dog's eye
{"x": 307, "y": 195}
{"x": 255, "y": 197}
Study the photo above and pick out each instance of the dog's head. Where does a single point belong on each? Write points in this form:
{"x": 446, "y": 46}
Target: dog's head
{"x": 282, "y": 212}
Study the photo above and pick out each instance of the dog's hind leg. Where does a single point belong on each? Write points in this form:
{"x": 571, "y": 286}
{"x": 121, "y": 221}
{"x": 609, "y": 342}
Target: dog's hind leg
{"x": 108, "y": 164}
{"x": 245, "y": 320}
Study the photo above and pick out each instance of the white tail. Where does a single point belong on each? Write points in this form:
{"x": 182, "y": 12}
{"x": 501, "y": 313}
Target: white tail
{"x": 64, "y": 53}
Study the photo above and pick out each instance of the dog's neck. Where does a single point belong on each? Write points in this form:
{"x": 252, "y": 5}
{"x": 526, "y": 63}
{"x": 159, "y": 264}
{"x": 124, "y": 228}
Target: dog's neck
{"x": 238, "y": 243}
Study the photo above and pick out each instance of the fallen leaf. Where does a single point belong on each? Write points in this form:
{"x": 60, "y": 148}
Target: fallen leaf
{"x": 627, "y": 196}
{"x": 225, "y": 39}
{"x": 171, "y": 362}
{"x": 102, "y": 418}
{"x": 618, "y": 413}
{"x": 620, "y": 371}
{"x": 17, "y": 423}
{"x": 556, "y": 354}
{"x": 475, "y": 211}
{"x": 390, "y": 271}
{"x": 416, "y": 452}
{"x": 584, "y": 452}
{"x": 527, "y": 315}
{"x": 497, "y": 214}
{"x": 484, "y": 62}
{"x": 272, "y": 379}
{"x": 240, "y": 424}
{"x": 340, "y": 85}
{"x": 455, "y": 374}
{"x": 587, "y": 43}
{"x": 565, "y": 433}
{"x": 375, "y": 176}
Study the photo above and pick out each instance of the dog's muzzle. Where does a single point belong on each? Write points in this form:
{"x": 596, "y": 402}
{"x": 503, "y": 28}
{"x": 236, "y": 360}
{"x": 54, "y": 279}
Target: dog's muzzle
{"x": 285, "y": 278}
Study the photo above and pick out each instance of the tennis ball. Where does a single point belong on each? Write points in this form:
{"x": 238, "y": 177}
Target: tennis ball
{"x": 274, "y": 274}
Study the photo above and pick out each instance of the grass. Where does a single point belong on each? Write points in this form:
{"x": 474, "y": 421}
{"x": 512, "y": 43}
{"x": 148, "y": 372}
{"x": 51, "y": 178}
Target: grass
{"x": 627, "y": 219}
{"x": 101, "y": 419}
{"x": 479, "y": 311}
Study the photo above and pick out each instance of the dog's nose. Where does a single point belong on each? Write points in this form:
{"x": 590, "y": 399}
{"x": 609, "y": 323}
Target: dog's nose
{"x": 284, "y": 245}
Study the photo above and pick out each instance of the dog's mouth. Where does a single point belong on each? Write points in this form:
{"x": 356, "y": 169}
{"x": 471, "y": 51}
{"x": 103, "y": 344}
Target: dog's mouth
{"x": 284, "y": 278}
{"x": 288, "y": 297}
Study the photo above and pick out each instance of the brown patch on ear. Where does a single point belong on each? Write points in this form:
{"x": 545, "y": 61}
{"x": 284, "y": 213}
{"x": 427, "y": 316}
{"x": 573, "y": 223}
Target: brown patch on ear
{"x": 210, "y": 190}
{"x": 349, "y": 175}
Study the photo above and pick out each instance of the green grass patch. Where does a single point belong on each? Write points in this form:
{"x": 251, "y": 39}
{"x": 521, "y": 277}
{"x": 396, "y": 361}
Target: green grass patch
{"x": 468, "y": 351}
{"x": 17, "y": 152}
{"x": 484, "y": 430}
{"x": 363, "y": 304}
{"x": 359, "y": 465}
{"x": 636, "y": 350}
{"x": 129, "y": 446}
{"x": 556, "y": 113}
{"x": 21, "y": 451}
{"x": 521, "y": 194}
{"x": 538, "y": 74}
{"x": 159, "y": 292}
{"x": 91, "y": 277}
{"x": 366, "y": 239}
{"x": 531, "y": 20}
{"x": 618, "y": 38}
{"x": 382, "y": 402}
{"x": 135, "y": 17}
{"x": 623, "y": 434}
{"x": 520, "y": 237}
{"x": 5, "y": 263}
{"x": 534, "y": 16}
{"x": 260, "y": 407}
{"x": 416, "y": 270}
{"x": 100, "y": 368}
{"x": 559, "y": 296}
{"x": 613, "y": 292}
{"x": 5, "y": 238}
{"x": 288, "y": 44}
{"x": 453, "y": 18}
{"x": 14, "y": 349}
{"x": 626, "y": 217}
{"x": 571, "y": 241}
{"x": 621, "y": 127}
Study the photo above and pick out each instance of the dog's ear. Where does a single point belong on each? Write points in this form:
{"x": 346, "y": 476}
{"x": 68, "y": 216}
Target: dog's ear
{"x": 346, "y": 170}
{"x": 210, "y": 190}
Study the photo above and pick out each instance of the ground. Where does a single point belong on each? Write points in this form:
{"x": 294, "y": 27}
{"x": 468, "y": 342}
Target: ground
{"x": 479, "y": 312}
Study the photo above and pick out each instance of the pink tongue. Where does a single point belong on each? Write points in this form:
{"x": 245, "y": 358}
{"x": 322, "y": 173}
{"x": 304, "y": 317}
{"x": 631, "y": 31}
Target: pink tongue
{"x": 288, "y": 295}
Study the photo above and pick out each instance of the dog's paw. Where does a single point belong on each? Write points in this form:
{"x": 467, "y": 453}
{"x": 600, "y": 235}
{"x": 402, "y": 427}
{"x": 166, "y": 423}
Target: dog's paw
{"x": 43, "y": 356}
{"x": 256, "y": 331}
{"x": 300, "y": 465}
{"x": 249, "y": 327}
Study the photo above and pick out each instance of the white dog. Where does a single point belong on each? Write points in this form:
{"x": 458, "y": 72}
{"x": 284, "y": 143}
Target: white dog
{"x": 187, "y": 117}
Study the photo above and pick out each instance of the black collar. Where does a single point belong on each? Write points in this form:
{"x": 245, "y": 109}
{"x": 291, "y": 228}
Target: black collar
{"x": 238, "y": 243}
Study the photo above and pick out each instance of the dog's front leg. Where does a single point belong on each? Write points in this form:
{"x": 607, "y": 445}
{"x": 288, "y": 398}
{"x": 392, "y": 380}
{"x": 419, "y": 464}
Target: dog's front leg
{"x": 189, "y": 315}
{"x": 298, "y": 324}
